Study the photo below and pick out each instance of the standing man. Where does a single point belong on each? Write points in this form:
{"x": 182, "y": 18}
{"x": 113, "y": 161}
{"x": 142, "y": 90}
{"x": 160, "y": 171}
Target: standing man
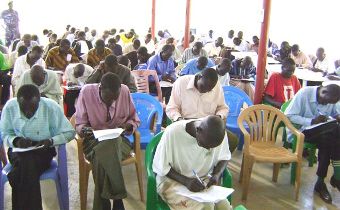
{"x": 311, "y": 106}
{"x": 106, "y": 105}
{"x": 11, "y": 19}
{"x": 30, "y": 120}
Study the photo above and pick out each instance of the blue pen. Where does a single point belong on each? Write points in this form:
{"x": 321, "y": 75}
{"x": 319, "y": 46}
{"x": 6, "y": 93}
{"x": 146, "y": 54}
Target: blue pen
{"x": 197, "y": 177}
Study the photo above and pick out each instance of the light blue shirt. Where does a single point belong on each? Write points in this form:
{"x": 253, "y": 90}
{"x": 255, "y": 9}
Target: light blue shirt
{"x": 162, "y": 67}
{"x": 190, "y": 67}
{"x": 304, "y": 107}
{"x": 48, "y": 122}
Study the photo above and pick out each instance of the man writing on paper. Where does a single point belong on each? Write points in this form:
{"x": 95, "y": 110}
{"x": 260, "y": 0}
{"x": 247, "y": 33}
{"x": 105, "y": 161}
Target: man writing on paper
{"x": 196, "y": 96}
{"x": 30, "y": 120}
{"x": 101, "y": 106}
{"x": 187, "y": 146}
{"x": 311, "y": 106}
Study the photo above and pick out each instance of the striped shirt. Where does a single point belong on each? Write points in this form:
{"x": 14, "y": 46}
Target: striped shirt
{"x": 93, "y": 58}
{"x": 57, "y": 61}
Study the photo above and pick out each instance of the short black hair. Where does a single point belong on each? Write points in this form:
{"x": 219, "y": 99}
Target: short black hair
{"x": 65, "y": 42}
{"x": 333, "y": 90}
{"x": 111, "y": 60}
{"x": 112, "y": 40}
{"x": 124, "y": 60}
{"x": 210, "y": 74}
{"x": 27, "y": 92}
{"x": 198, "y": 44}
{"x": 142, "y": 50}
{"x": 110, "y": 81}
{"x": 167, "y": 47}
{"x": 295, "y": 48}
{"x": 288, "y": 62}
{"x": 37, "y": 49}
{"x": 22, "y": 50}
{"x": 100, "y": 42}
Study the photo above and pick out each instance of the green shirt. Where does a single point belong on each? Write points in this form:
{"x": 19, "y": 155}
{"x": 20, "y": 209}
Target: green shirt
{"x": 3, "y": 63}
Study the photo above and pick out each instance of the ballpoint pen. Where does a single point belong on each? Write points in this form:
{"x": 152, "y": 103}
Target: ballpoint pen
{"x": 195, "y": 174}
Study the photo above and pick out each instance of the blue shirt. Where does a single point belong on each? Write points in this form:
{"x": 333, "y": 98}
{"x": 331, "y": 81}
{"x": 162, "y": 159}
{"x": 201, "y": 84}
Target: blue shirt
{"x": 236, "y": 69}
{"x": 142, "y": 66}
{"x": 48, "y": 122}
{"x": 304, "y": 107}
{"x": 190, "y": 67}
{"x": 162, "y": 67}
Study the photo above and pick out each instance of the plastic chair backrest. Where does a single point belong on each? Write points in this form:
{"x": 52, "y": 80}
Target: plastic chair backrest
{"x": 142, "y": 81}
{"x": 147, "y": 106}
{"x": 234, "y": 98}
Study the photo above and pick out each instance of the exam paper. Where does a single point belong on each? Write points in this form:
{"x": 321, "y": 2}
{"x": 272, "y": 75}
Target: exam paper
{"x": 213, "y": 194}
{"x": 106, "y": 134}
{"x": 15, "y": 149}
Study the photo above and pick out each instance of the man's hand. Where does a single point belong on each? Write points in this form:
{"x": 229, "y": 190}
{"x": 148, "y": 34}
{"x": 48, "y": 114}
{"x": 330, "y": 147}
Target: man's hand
{"x": 87, "y": 132}
{"x": 45, "y": 143}
{"x": 319, "y": 119}
{"x": 214, "y": 180}
{"x": 194, "y": 185}
{"x": 21, "y": 142}
{"x": 168, "y": 78}
{"x": 128, "y": 128}
{"x": 43, "y": 95}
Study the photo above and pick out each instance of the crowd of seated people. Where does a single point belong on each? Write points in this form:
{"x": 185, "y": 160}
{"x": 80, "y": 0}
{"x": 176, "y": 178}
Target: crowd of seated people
{"x": 89, "y": 76}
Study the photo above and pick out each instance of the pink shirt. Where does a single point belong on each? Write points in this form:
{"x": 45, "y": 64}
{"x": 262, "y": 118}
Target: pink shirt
{"x": 302, "y": 60}
{"x": 92, "y": 111}
{"x": 187, "y": 102}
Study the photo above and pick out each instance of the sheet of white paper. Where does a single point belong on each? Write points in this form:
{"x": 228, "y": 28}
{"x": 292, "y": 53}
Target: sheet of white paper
{"x": 316, "y": 125}
{"x": 74, "y": 87}
{"x": 212, "y": 195}
{"x": 165, "y": 84}
{"x": 15, "y": 149}
{"x": 106, "y": 134}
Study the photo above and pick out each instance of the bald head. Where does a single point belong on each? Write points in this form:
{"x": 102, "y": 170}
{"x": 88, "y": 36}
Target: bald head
{"x": 210, "y": 132}
{"x": 38, "y": 75}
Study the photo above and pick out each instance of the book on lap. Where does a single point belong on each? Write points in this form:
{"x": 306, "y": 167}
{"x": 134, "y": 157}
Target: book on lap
{"x": 107, "y": 134}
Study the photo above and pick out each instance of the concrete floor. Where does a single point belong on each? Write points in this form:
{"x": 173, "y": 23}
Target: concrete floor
{"x": 263, "y": 193}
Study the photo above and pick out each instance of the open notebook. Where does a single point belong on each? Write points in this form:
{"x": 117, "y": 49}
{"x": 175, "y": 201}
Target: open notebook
{"x": 107, "y": 134}
{"x": 213, "y": 194}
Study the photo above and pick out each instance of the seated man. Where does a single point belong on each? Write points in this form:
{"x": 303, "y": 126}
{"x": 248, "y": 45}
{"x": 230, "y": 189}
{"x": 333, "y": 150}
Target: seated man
{"x": 196, "y": 96}
{"x": 114, "y": 47}
{"x": 47, "y": 82}
{"x": 196, "y": 65}
{"x": 194, "y": 52}
{"x": 242, "y": 71}
{"x": 26, "y": 121}
{"x": 301, "y": 60}
{"x": 98, "y": 53}
{"x": 75, "y": 75}
{"x": 143, "y": 57}
{"x": 322, "y": 63}
{"x": 111, "y": 65}
{"x": 187, "y": 148}
{"x": 163, "y": 64}
{"x": 223, "y": 70}
{"x": 284, "y": 51}
{"x": 27, "y": 41}
{"x": 282, "y": 87}
{"x": 81, "y": 46}
{"x": 25, "y": 62}
{"x": 311, "y": 106}
{"x": 106, "y": 105}
{"x": 214, "y": 48}
{"x": 5, "y": 79}
{"x": 59, "y": 57}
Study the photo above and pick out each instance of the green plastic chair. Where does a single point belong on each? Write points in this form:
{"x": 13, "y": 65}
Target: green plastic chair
{"x": 153, "y": 200}
{"x": 309, "y": 146}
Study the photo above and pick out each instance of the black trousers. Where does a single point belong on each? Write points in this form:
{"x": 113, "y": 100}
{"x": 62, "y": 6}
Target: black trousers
{"x": 5, "y": 81}
{"x": 166, "y": 91}
{"x": 329, "y": 148}
{"x": 24, "y": 178}
{"x": 70, "y": 99}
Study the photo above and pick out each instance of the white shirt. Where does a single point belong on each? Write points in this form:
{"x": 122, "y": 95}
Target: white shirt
{"x": 69, "y": 77}
{"x": 21, "y": 43}
{"x": 224, "y": 80}
{"x": 228, "y": 42}
{"x": 187, "y": 102}
{"x": 179, "y": 150}
{"x": 128, "y": 48}
{"x": 21, "y": 66}
{"x": 325, "y": 66}
{"x": 212, "y": 49}
{"x": 70, "y": 38}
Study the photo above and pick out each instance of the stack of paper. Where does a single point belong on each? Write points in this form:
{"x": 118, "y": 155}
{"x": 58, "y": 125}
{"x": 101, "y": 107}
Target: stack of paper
{"x": 213, "y": 194}
{"x": 107, "y": 134}
{"x": 73, "y": 87}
